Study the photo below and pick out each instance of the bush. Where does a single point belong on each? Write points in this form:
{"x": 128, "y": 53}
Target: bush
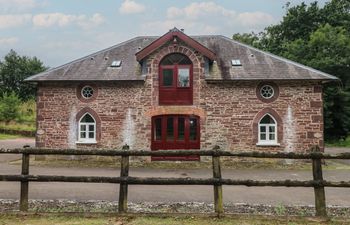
{"x": 9, "y": 107}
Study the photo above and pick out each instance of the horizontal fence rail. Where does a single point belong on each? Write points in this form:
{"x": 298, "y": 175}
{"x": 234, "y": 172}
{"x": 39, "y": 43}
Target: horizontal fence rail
{"x": 111, "y": 152}
{"x": 318, "y": 183}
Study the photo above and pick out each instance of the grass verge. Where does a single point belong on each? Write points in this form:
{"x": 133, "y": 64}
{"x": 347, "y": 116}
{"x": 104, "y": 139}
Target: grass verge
{"x": 339, "y": 143}
{"x": 9, "y": 136}
{"x": 140, "y": 219}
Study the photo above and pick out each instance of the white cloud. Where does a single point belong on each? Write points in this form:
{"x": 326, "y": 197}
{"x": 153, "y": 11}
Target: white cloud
{"x": 14, "y": 20}
{"x": 20, "y": 5}
{"x": 8, "y": 41}
{"x": 62, "y": 20}
{"x": 210, "y": 18}
{"x": 131, "y": 7}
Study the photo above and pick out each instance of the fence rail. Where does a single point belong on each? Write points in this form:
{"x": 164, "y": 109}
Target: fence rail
{"x": 318, "y": 183}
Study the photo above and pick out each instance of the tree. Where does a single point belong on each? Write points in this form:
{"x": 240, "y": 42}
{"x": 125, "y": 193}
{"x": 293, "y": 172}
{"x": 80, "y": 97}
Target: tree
{"x": 14, "y": 69}
{"x": 9, "y": 107}
{"x": 320, "y": 38}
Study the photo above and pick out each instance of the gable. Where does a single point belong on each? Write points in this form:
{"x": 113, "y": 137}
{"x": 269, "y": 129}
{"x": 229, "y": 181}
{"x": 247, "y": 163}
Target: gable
{"x": 173, "y": 36}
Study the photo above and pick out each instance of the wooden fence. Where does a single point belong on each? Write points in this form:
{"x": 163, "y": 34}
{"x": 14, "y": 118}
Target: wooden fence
{"x": 318, "y": 183}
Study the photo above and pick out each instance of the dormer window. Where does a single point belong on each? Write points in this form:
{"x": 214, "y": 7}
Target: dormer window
{"x": 175, "y": 80}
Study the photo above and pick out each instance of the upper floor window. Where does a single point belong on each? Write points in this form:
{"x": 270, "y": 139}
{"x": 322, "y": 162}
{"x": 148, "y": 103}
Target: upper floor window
{"x": 175, "y": 80}
{"x": 87, "y": 129}
{"x": 267, "y": 130}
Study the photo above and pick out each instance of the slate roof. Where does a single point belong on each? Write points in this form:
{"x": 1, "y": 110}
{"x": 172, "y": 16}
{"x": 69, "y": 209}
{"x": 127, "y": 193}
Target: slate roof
{"x": 256, "y": 64}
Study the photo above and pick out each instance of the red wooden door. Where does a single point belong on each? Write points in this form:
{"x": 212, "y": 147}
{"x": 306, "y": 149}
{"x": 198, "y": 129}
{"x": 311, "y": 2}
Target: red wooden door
{"x": 175, "y": 132}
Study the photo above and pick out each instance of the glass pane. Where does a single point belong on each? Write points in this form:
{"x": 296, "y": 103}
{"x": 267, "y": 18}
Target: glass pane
{"x": 167, "y": 77}
{"x": 267, "y": 120}
{"x": 87, "y": 119}
{"x": 170, "y": 129}
{"x": 82, "y": 135}
{"x": 91, "y": 127}
{"x": 272, "y": 129}
{"x": 272, "y": 136}
{"x": 183, "y": 77}
{"x": 82, "y": 127}
{"x": 91, "y": 134}
{"x": 176, "y": 59}
{"x": 181, "y": 129}
{"x": 158, "y": 129}
{"x": 263, "y": 136}
{"x": 193, "y": 129}
{"x": 262, "y": 129}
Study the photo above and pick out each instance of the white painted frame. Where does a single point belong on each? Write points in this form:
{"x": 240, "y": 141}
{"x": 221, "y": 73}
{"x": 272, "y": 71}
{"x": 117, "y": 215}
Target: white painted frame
{"x": 267, "y": 141}
{"x": 86, "y": 139}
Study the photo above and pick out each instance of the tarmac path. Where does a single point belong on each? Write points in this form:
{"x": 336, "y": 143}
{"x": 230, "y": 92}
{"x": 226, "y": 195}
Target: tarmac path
{"x": 236, "y": 194}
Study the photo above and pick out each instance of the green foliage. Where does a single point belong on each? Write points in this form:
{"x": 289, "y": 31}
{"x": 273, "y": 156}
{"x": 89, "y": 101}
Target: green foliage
{"x": 9, "y": 107}
{"x": 14, "y": 69}
{"x": 319, "y": 38}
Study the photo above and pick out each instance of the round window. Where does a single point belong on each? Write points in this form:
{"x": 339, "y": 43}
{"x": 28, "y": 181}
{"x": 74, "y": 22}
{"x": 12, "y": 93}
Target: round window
{"x": 267, "y": 91}
{"x": 87, "y": 92}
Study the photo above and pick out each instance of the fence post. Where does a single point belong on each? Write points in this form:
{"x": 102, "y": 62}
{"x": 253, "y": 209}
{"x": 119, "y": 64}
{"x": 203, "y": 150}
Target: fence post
{"x": 218, "y": 202}
{"x": 23, "y": 201}
{"x": 123, "y": 189}
{"x": 320, "y": 197}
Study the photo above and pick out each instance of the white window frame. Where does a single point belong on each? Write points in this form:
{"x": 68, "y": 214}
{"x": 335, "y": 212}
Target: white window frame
{"x": 267, "y": 142}
{"x": 86, "y": 140}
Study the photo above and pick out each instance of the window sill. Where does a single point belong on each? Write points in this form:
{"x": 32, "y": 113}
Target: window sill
{"x": 268, "y": 144}
{"x": 86, "y": 142}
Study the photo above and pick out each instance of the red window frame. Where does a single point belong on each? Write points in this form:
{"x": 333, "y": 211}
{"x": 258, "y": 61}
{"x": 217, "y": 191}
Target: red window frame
{"x": 184, "y": 144}
{"x": 170, "y": 95}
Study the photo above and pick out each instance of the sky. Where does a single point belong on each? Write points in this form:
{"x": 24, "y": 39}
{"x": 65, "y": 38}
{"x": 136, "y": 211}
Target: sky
{"x": 59, "y": 31}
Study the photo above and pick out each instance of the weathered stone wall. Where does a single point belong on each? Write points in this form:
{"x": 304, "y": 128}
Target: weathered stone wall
{"x": 229, "y": 112}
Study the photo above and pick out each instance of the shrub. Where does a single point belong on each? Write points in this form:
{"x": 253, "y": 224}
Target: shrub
{"x": 9, "y": 107}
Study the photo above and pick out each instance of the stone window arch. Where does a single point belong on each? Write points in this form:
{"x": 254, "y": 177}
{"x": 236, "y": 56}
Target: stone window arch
{"x": 88, "y": 126}
{"x": 267, "y": 128}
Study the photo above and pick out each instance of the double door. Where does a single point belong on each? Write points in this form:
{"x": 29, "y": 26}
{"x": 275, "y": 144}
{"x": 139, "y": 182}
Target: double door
{"x": 170, "y": 132}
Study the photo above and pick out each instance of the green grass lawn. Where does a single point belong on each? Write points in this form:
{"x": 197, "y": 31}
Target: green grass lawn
{"x": 340, "y": 143}
{"x": 9, "y": 136}
{"x": 88, "y": 219}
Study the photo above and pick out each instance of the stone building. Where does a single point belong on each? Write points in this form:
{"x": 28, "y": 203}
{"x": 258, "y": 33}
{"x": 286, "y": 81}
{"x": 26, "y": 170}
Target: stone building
{"x": 181, "y": 92}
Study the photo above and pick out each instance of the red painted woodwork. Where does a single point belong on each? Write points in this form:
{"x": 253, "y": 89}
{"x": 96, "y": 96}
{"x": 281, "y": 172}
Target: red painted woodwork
{"x": 175, "y": 132}
{"x": 174, "y": 33}
{"x": 174, "y": 94}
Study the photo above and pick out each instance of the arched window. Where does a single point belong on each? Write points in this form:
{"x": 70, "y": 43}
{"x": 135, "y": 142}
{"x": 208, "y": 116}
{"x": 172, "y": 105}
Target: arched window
{"x": 87, "y": 129}
{"x": 175, "y": 80}
{"x": 267, "y": 130}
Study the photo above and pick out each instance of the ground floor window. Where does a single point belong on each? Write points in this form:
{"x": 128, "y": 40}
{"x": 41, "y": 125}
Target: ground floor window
{"x": 87, "y": 129}
{"x": 175, "y": 132}
{"x": 267, "y": 130}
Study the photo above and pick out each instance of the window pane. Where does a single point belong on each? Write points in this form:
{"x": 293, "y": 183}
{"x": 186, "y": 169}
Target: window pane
{"x": 272, "y": 136}
{"x": 267, "y": 120}
{"x": 91, "y": 134}
{"x": 82, "y": 135}
{"x": 181, "y": 129}
{"x": 263, "y": 136}
{"x": 167, "y": 77}
{"x": 263, "y": 129}
{"x": 170, "y": 129}
{"x": 158, "y": 129}
{"x": 91, "y": 127}
{"x": 183, "y": 77}
{"x": 193, "y": 129}
{"x": 272, "y": 129}
{"x": 176, "y": 59}
{"x": 87, "y": 119}
{"x": 82, "y": 127}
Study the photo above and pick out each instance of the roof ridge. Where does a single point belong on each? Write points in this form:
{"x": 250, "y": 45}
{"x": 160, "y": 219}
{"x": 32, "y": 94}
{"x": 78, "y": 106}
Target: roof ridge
{"x": 332, "y": 77}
